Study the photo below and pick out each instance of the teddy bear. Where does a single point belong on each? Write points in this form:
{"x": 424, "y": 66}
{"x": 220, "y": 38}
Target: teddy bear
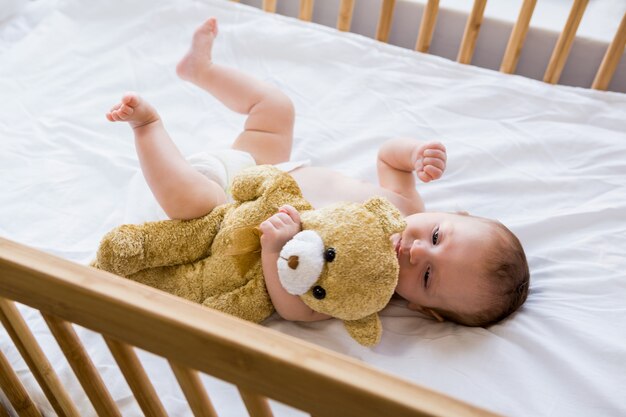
{"x": 341, "y": 264}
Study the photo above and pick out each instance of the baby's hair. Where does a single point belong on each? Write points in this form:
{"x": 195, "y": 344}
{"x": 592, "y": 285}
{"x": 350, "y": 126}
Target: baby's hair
{"x": 508, "y": 279}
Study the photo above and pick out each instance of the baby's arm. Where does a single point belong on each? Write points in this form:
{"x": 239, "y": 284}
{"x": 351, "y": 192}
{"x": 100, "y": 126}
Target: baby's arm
{"x": 400, "y": 159}
{"x": 276, "y": 231}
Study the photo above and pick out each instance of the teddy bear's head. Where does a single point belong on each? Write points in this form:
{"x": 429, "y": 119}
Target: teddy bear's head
{"x": 343, "y": 264}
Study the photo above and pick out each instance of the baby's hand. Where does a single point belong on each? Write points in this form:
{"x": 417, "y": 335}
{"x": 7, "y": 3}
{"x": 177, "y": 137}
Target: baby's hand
{"x": 430, "y": 161}
{"x": 280, "y": 228}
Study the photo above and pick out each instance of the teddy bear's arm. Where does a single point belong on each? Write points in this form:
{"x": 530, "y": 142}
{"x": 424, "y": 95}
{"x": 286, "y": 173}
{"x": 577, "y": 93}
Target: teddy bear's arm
{"x": 250, "y": 302}
{"x": 132, "y": 248}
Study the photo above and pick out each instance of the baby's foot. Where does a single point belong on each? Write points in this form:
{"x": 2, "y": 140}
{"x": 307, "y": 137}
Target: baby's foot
{"x": 134, "y": 110}
{"x": 199, "y": 56}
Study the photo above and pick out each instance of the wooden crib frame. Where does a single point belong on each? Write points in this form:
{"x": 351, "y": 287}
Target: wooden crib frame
{"x": 261, "y": 362}
{"x": 555, "y": 66}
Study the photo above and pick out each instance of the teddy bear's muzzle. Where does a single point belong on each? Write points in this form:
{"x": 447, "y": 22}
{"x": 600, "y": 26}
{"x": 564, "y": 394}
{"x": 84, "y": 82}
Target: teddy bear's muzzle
{"x": 301, "y": 262}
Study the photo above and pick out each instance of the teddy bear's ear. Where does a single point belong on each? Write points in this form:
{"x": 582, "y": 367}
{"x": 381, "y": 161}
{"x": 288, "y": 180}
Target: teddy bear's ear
{"x": 388, "y": 215}
{"x": 366, "y": 331}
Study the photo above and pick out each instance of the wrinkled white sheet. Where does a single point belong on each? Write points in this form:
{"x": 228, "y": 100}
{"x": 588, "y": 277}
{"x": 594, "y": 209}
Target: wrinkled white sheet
{"x": 550, "y": 162}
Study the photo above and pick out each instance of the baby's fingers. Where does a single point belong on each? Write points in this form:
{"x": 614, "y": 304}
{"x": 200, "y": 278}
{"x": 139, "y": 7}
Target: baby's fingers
{"x": 280, "y": 219}
{"x": 424, "y": 177}
{"x": 435, "y": 162}
{"x": 291, "y": 212}
{"x": 436, "y": 153}
{"x": 434, "y": 146}
{"x": 433, "y": 172}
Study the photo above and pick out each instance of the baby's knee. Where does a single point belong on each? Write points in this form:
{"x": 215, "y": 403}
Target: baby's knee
{"x": 195, "y": 203}
{"x": 282, "y": 110}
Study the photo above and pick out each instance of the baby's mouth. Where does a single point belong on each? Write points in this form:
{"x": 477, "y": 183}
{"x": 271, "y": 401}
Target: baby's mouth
{"x": 396, "y": 241}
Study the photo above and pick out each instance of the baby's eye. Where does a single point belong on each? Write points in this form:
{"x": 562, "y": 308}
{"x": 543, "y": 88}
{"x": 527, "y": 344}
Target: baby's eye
{"x": 436, "y": 236}
{"x": 426, "y": 277}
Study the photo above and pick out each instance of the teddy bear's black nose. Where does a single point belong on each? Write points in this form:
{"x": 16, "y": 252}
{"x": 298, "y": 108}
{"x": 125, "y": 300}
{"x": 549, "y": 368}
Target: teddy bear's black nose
{"x": 293, "y": 262}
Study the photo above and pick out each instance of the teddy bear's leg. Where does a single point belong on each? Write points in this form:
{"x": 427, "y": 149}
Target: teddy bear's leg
{"x": 131, "y": 248}
{"x": 252, "y": 182}
{"x": 250, "y": 302}
{"x": 260, "y": 180}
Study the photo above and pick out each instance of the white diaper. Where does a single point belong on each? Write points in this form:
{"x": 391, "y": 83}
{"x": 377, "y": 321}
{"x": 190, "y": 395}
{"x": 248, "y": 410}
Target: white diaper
{"x": 223, "y": 165}
{"x": 293, "y": 165}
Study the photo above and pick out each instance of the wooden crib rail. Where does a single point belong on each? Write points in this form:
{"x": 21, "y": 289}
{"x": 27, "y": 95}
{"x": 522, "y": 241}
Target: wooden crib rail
{"x": 259, "y": 361}
{"x": 564, "y": 43}
{"x": 13, "y": 388}
{"x": 518, "y": 35}
{"x": 515, "y": 44}
{"x": 611, "y": 58}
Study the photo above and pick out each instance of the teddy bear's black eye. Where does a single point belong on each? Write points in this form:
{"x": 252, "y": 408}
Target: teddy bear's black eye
{"x": 319, "y": 292}
{"x": 329, "y": 254}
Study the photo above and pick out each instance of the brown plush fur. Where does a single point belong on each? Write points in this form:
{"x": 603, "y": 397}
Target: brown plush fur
{"x": 215, "y": 260}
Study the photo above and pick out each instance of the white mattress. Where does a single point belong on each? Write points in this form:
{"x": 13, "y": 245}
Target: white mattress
{"x": 548, "y": 161}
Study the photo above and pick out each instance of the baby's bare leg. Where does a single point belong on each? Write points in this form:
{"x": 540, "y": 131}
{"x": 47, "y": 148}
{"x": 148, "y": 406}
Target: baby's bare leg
{"x": 182, "y": 192}
{"x": 269, "y": 127}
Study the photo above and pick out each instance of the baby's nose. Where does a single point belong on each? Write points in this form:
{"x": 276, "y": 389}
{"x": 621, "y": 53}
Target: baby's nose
{"x": 417, "y": 251}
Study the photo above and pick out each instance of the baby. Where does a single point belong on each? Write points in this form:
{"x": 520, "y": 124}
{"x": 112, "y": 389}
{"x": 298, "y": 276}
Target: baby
{"x": 453, "y": 266}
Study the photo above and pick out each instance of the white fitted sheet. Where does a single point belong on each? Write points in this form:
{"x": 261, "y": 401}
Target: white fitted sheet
{"x": 548, "y": 161}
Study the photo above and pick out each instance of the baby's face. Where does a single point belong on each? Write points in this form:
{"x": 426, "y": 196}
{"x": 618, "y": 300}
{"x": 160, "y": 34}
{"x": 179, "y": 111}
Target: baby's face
{"x": 441, "y": 258}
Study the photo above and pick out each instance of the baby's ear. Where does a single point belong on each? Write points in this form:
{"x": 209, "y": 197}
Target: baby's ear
{"x": 388, "y": 215}
{"x": 426, "y": 311}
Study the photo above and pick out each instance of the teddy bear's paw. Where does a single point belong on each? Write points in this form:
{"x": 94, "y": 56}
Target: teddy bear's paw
{"x": 121, "y": 251}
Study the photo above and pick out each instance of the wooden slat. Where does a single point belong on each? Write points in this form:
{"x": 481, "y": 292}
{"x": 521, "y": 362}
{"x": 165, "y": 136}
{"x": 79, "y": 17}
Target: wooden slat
{"x": 257, "y": 405}
{"x": 294, "y": 372}
{"x": 427, "y": 26}
{"x": 306, "y": 10}
{"x": 137, "y": 378}
{"x": 36, "y": 360}
{"x": 3, "y": 411}
{"x": 82, "y": 366}
{"x": 564, "y": 43}
{"x": 384, "y": 21}
{"x": 192, "y": 387}
{"x": 269, "y": 6}
{"x": 472, "y": 27}
{"x": 611, "y": 58}
{"x": 12, "y": 387}
{"x": 518, "y": 36}
{"x": 344, "y": 20}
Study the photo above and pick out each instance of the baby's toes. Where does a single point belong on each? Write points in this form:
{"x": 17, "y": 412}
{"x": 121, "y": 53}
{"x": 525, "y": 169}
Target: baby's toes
{"x": 212, "y": 24}
{"x": 125, "y": 111}
{"x": 115, "y": 108}
{"x": 114, "y": 116}
{"x": 130, "y": 99}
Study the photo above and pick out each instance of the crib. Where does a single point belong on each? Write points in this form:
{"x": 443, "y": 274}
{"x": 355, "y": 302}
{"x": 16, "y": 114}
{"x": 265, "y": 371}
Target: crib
{"x": 266, "y": 365}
